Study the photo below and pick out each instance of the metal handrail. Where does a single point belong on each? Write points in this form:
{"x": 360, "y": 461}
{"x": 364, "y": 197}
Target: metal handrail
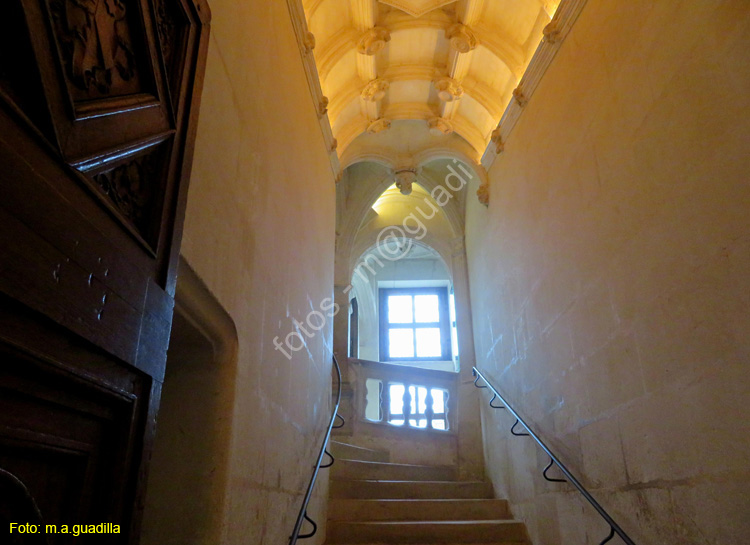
{"x": 614, "y": 527}
{"x": 302, "y": 516}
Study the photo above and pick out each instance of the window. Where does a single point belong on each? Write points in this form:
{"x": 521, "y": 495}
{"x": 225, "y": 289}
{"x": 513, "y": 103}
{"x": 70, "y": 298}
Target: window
{"x": 414, "y": 324}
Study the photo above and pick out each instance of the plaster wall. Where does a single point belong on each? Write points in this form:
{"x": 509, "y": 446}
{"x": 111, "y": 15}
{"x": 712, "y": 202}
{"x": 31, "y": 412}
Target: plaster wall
{"x": 260, "y": 234}
{"x": 610, "y": 278}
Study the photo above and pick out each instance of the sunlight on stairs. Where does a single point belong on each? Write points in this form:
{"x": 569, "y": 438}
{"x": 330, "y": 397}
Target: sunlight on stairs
{"x": 373, "y": 501}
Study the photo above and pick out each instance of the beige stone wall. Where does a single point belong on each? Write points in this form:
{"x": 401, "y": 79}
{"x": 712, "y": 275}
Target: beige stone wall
{"x": 610, "y": 278}
{"x": 260, "y": 233}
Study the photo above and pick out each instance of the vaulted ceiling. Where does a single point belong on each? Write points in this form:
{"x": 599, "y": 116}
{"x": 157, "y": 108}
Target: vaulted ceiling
{"x": 450, "y": 66}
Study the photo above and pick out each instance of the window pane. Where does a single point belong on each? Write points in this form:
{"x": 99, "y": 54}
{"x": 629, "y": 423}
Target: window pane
{"x": 401, "y": 343}
{"x": 399, "y": 309}
{"x": 438, "y": 424}
{"x": 396, "y": 393}
{"x": 428, "y": 342}
{"x": 426, "y": 308}
{"x": 438, "y": 401}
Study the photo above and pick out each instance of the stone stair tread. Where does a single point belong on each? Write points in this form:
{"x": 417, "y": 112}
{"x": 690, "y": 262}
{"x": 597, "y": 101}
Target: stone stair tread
{"x": 367, "y": 509}
{"x": 504, "y": 542}
{"x": 406, "y": 481}
{"x": 377, "y": 502}
{"x": 368, "y": 454}
{"x": 344, "y": 468}
{"x": 424, "y": 531}
{"x": 389, "y": 489}
{"x": 480, "y": 522}
{"x": 342, "y": 443}
{"x": 409, "y": 482}
{"x": 427, "y": 500}
{"x": 375, "y": 463}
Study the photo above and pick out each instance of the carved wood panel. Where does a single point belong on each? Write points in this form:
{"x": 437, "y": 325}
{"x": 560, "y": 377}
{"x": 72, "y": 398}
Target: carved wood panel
{"x": 20, "y": 81}
{"x": 17, "y": 503}
{"x": 173, "y": 23}
{"x": 102, "y": 80}
{"x": 72, "y": 426}
{"x": 101, "y": 46}
{"x": 135, "y": 184}
{"x": 98, "y": 107}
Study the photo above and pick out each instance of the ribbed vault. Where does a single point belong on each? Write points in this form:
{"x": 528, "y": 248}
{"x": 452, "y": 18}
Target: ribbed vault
{"x": 450, "y": 65}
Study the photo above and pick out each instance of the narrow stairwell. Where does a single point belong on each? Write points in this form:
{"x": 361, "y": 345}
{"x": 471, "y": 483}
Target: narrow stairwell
{"x": 374, "y": 501}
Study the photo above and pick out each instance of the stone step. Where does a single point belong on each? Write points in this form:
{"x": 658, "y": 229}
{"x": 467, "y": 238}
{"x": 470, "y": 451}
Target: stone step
{"x": 372, "y": 489}
{"x": 353, "y": 452}
{"x": 355, "y": 469}
{"x": 475, "y": 531}
{"x": 395, "y": 510}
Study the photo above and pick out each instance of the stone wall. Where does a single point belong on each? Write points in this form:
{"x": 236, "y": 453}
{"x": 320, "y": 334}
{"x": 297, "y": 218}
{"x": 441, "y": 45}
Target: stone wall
{"x": 260, "y": 233}
{"x": 610, "y": 278}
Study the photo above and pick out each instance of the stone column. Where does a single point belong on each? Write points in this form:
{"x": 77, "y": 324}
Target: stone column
{"x": 470, "y": 450}
{"x": 341, "y": 324}
{"x": 340, "y": 350}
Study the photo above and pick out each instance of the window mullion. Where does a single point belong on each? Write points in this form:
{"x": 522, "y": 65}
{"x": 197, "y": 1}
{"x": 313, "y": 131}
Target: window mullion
{"x": 400, "y": 326}
{"x": 413, "y": 323}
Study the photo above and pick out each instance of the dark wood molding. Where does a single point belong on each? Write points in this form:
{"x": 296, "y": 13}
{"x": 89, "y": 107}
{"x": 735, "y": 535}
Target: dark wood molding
{"x": 97, "y": 128}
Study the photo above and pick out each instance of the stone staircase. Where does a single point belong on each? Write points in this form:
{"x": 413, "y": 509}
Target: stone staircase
{"x": 374, "y": 501}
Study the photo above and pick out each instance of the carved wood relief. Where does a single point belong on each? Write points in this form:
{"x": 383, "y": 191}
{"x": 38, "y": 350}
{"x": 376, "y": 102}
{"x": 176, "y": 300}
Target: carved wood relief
{"x": 172, "y": 24}
{"x": 127, "y": 186}
{"x": 134, "y": 184}
{"x": 111, "y": 74}
{"x": 96, "y": 43}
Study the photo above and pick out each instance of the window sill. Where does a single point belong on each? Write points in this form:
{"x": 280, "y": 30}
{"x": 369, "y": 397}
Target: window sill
{"x": 438, "y": 365}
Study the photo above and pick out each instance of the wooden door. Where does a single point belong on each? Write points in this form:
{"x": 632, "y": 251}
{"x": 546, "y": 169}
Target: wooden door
{"x": 98, "y": 106}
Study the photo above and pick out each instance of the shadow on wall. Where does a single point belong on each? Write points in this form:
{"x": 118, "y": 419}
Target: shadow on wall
{"x": 184, "y": 502}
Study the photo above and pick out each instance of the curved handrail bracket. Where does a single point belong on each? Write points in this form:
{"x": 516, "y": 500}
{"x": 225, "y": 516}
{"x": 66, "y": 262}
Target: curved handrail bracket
{"x": 343, "y": 421}
{"x": 614, "y": 527}
{"x": 302, "y": 516}
{"x": 609, "y": 537}
{"x": 331, "y": 460}
{"x": 517, "y": 433}
{"x": 311, "y": 532}
{"x": 551, "y": 479}
{"x": 494, "y": 397}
